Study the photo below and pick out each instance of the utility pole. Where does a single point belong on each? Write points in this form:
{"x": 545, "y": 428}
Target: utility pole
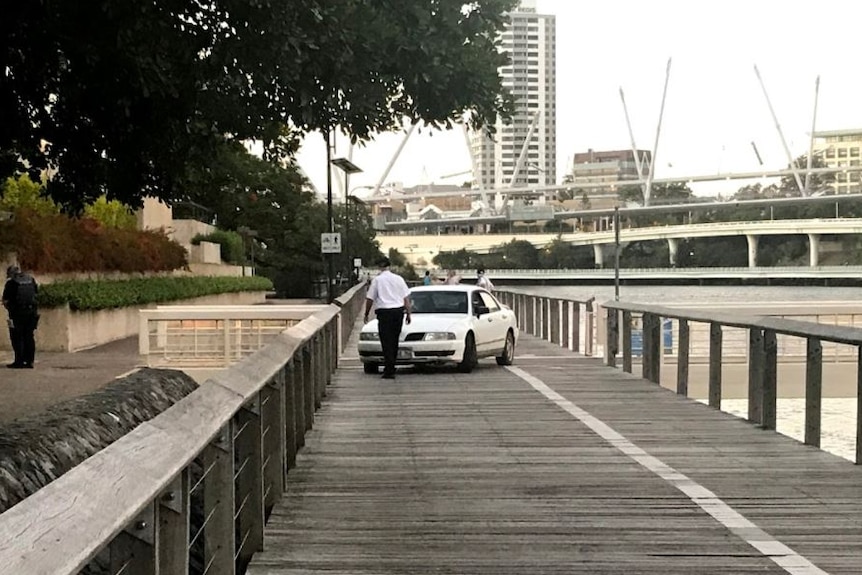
{"x": 330, "y": 275}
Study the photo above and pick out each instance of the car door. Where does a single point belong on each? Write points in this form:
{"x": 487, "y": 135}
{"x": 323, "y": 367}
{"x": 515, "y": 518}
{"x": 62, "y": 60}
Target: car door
{"x": 483, "y": 325}
{"x": 498, "y": 319}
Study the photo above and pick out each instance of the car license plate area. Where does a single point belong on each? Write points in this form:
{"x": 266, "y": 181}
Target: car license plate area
{"x": 404, "y": 353}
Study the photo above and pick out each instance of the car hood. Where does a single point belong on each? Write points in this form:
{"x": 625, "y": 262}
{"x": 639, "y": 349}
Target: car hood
{"x": 422, "y": 322}
{"x": 425, "y": 322}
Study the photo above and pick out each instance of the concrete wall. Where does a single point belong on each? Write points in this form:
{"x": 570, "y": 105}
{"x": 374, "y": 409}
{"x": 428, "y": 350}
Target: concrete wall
{"x": 182, "y": 231}
{"x": 204, "y": 253}
{"x": 63, "y": 330}
{"x": 154, "y": 215}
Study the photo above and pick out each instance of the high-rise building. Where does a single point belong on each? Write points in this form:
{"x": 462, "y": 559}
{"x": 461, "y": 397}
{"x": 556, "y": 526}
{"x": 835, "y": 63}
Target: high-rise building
{"x": 530, "y": 41}
{"x": 840, "y": 148}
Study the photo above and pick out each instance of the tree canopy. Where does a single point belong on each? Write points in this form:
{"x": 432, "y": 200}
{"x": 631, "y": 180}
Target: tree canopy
{"x": 130, "y": 99}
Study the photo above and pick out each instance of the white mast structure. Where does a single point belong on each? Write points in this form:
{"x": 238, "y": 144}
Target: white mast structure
{"x": 651, "y": 175}
{"x": 638, "y": 164}
{"x": 524, "y": 147}
{"x": 476, "y": 178}
{"x": 791, "y": 163}
{"x": 811, "y": 139}
{"x": 394, "y": 158}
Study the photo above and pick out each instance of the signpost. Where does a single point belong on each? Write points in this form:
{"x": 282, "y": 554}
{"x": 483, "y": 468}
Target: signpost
{"x": 330, "y": 243}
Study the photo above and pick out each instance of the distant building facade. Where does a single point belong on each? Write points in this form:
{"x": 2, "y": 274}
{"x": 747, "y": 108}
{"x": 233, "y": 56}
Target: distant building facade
{"x": 530, "y": 40}
{"x": 838, "y": 149}
{"x": 608, "y": 167}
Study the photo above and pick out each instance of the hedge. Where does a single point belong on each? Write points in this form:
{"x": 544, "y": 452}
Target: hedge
{"x": 96, "y": 295}
{"x": 55, "y": 243}
{"x": 232, "y": 250}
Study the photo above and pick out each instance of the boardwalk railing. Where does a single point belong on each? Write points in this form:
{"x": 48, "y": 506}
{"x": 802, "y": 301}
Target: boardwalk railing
{"x": 189, "y": 490}
{"x": 569, "y": 323}
{"x": 763, "y": 333}
{"x": 611, "y": 336}
{"x": 219, "y": 335}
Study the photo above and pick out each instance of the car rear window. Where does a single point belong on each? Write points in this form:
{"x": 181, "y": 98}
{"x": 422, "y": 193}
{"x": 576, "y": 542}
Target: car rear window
{"x": 438, "y": 302}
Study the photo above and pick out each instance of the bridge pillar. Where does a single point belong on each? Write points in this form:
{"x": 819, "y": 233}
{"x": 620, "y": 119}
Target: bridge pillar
{"x": 599, "y": 255}
{"x": 672, "y": 248}
{"x": 752, "y": 250}
{"x": 813, "y": 250}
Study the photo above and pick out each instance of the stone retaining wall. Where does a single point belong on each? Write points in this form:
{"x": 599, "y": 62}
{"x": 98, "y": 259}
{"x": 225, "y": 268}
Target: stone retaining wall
{"x": 36, "y": 449}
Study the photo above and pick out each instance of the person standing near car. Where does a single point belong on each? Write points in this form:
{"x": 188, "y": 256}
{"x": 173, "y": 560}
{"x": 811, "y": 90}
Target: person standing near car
{"x": 19, "y": 299}
{"x": 482, "y": 280}
{"x": 389, "y": 295}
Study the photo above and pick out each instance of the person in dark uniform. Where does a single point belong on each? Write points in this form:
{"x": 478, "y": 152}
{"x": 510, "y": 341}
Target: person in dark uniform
{"x": 389, "y": 295}
{"x": 19, "y": 299}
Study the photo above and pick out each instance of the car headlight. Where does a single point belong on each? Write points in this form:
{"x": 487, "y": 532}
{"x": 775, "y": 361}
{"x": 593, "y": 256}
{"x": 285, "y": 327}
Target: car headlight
{"x": 369, "y": 336}
{"x": 438, "y": 335}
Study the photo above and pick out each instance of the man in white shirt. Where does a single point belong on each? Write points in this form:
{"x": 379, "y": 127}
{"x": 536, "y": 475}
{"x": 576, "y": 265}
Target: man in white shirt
{"x": 482, "y": 280}
{"x": 389, "y": 295}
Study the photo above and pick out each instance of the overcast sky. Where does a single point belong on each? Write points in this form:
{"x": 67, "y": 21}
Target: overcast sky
{"x": 715, "y": 107}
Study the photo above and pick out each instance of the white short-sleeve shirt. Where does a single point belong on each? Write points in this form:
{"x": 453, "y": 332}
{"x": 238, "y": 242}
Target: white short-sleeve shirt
{"x": 388, "y": 291}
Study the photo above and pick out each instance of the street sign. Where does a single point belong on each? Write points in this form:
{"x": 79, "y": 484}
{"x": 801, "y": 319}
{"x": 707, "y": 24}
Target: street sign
{"x": 357, "y": 262}
{"x": 330, "y": 243}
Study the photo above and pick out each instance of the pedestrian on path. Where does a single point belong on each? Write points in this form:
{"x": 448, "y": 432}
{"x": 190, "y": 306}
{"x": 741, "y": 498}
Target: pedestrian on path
{"x": 452, "y": 278}
{"x": 19, "y": 299}
{"x": 482, "y": 280}
{"x": 389, "y": 295}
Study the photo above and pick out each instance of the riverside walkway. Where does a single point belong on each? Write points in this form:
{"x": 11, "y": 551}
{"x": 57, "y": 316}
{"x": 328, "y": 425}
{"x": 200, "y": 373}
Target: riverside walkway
{"x": 558, "y": 464}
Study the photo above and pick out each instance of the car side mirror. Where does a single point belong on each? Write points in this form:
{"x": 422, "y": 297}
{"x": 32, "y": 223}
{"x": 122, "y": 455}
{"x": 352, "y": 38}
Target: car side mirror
{"x": 481, "y": 310}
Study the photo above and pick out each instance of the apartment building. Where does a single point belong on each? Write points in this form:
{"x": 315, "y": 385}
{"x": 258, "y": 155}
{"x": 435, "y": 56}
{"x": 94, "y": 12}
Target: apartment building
{"x": 530, "y": 76}
{"x": 840, "y": 148}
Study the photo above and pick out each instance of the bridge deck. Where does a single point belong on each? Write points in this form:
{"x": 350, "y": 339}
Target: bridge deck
{"x": 495, "y": 473}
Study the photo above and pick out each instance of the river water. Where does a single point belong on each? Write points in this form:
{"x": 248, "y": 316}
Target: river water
{"x": 838, "y": 426}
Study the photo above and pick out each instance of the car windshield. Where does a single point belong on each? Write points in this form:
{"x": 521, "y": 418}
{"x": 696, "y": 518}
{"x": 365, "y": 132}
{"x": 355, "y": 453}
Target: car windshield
{"x": 438, "y": 302}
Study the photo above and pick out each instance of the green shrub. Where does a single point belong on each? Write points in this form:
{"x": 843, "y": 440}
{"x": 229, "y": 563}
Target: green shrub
{"x": 232, "y": 249}
{"x": 111, "y": 214}
{"x": 96, "y": 295}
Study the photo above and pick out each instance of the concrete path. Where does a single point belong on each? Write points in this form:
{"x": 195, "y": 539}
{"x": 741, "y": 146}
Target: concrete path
{"x": 60, "y": 376}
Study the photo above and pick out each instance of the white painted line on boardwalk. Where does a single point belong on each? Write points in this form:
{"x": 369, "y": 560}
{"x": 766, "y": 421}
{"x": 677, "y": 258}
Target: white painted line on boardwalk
{"x": 780, "y": 554}
{"x": 128, "y": 373}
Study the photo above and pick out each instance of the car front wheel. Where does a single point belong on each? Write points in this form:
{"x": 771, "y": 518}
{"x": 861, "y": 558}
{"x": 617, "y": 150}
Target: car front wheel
{"x": 470, "y": 356}
{"x": 508, "y": 355}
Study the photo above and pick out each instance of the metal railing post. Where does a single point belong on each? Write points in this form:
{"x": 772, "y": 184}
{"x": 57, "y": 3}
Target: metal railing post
{"x": 756, "y": 367}
{"x": 683, "y": 347}
{"x": 292, "y": 411}
{"x": 565, "y": 333}
{"x": 813, "y": 390}
{"x": 715, "y": 344}
{"x": 627, "y": 341}
{"x": 611, "y": 337}
{"x": 770, "y": 372}
{"x": 219, "y": 504}
{"x": 173, "y": 526}
{"x": 248, "y": 443}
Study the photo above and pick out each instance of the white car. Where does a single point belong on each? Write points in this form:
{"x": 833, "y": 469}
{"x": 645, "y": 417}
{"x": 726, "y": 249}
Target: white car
{"x": 450, "y": 324}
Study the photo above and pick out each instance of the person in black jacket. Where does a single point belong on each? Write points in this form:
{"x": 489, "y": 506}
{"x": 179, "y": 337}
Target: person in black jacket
{"x": 19, "y": 299}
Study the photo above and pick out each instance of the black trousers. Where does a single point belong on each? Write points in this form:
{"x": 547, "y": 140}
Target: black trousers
{"x": 21, "y": 334}
{"x": 389, "y": 323}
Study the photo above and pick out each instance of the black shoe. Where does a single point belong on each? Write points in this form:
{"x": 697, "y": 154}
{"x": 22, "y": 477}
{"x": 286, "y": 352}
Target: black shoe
{"x": 15, "y": 366}
{"x": 388, "y": 376}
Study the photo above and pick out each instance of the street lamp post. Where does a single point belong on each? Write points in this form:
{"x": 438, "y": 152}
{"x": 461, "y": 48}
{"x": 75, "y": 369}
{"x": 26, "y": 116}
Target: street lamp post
{"x": 347, "y": 167}
{"x": 248, "y": 233}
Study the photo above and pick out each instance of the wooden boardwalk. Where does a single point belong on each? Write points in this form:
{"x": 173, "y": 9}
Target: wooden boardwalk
{"x": 560, "y": 465}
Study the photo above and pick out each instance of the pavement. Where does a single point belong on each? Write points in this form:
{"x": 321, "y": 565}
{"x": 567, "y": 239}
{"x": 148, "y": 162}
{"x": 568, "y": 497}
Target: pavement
{"x": 59, "y": 376}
